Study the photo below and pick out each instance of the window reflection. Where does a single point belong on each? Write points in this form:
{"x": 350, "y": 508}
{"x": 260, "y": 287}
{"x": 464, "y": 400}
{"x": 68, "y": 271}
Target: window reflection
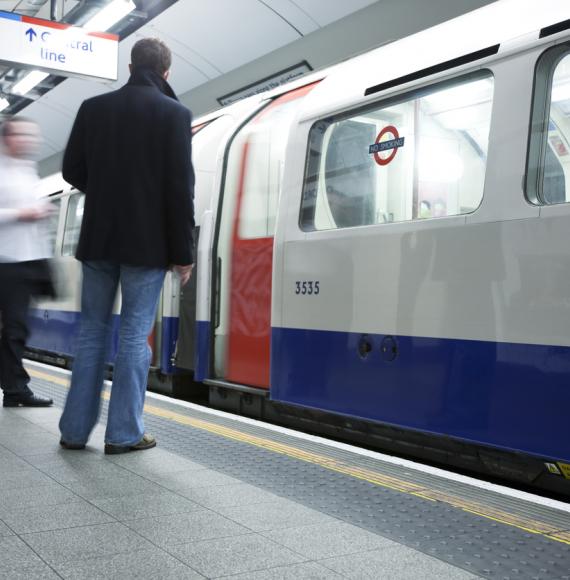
{"x": 419, "y": 158}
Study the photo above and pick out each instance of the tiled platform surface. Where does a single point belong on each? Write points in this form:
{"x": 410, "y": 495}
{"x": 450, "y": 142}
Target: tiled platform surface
{"x": 156, "y": 514}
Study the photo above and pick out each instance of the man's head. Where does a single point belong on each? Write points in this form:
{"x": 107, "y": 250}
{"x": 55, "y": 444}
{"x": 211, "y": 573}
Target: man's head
{"x": 21, "y": 137}
{"x": 151, "y": 53}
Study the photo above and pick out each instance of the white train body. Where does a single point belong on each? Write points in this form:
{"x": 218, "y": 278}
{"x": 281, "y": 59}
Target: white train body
{"x": 389, "y": 240}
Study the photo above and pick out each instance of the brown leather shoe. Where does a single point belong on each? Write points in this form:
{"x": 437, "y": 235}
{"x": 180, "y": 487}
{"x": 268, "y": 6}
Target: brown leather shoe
{"x": 147, "y": 442}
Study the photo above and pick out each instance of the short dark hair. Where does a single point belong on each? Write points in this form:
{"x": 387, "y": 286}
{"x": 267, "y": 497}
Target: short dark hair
{"x": 6, "y": 127}
{"x": 151, "y": 53}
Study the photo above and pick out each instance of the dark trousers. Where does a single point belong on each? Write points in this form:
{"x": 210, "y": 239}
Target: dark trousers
{"x": 15, "y": 294}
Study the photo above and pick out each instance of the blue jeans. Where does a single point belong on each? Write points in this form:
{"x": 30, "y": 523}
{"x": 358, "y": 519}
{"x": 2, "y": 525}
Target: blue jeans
{"x": 140, "y": 291}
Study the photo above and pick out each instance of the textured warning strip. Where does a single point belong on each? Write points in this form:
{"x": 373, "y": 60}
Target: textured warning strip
{"x": 553, "y": 530}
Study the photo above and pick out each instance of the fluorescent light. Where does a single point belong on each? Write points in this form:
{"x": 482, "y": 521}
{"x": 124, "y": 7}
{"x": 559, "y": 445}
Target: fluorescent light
{"x": 29, "y": 82}
{"x": 111, "y": 14}
{"x": 4, "y": 104}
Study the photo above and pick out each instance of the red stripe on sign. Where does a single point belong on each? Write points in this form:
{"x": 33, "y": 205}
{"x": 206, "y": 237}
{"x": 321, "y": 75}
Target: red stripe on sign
{"x": 106, "y": 35}
{"x": 46, "y": 23}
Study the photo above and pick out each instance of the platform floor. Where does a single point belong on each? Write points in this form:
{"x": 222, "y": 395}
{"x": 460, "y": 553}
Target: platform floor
{"x": 222, "y": 497}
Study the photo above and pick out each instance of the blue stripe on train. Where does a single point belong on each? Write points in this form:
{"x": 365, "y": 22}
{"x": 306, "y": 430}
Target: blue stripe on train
{"x": 56, "y": 331}
{"x": 514, "y": 396}
{"x": 202, "y": 355}
{"x": 168, "y": 345}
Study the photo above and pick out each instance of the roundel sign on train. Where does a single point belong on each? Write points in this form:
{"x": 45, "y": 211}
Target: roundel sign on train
{"x": 382, "y": 145}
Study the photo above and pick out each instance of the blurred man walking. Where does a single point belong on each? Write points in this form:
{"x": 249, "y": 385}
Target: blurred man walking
{"x": 23, "y": 249}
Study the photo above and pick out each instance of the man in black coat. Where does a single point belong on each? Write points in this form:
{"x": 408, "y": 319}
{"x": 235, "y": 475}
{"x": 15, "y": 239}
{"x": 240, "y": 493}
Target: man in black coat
{"x": 130, "y": 152}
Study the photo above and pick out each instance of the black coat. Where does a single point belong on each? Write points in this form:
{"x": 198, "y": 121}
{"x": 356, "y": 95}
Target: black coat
{"x": 130, "y": 152}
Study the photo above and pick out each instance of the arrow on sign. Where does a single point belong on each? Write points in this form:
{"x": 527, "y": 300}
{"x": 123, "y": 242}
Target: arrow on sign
{"x": 31, "y": 33}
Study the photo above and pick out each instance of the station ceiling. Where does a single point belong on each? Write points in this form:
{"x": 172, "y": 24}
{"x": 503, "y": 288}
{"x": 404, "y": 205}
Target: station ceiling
{"x": 208, "y": 39}
{"x": 215, "y": 40}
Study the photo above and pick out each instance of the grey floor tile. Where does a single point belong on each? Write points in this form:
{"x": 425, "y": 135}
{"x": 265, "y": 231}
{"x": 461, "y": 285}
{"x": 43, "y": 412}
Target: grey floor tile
{"x": 227, "y": 556}
{"x": 31, "y": 444}
{"x": 155, "y": 462}
{"x": 396, "y": 563}
{"x": 328, "y": 540}
{"x": 21, "y": 428}
{"x": 185, "y": 528}
{"x": 190, "y": 479}
{"x": 5, "y": 530}
{"x": 36, "y": 414}
{"x": 80, "y": 470}
{"x": 51, "y": 494}
{"x": 229, "y": 495}
{"x": 148, "y": 565}
{"x": 9, "y": 417}
{"x": 11, "y": 463}
{"x": 55, "y": 517}
{"x": 36, "y": 572}
{"x": 279, "y": 514}
{"x": 23, "y": 478}
{"x": 118, "y": 486}
{"x": 5, "y": 452}
{"x": 51, "y": 426}
{"x": 63, "y": 457}
{"x": 146, "y": 505}
{"x": 79, "y": 543}
{"x": 15, "y": 554}
{"x": 309, "y": 571}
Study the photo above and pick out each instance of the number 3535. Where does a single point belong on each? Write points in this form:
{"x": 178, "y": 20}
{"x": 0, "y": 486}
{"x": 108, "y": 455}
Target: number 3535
{"x": 307, "y": 287}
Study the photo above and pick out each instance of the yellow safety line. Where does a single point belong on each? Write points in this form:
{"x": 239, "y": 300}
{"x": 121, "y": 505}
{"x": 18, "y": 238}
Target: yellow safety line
{"x": 386, "y": 481}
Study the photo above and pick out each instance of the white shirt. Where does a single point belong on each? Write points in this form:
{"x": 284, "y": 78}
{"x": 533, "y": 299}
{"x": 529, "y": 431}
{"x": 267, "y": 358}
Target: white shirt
{"x": 20, "y": 241}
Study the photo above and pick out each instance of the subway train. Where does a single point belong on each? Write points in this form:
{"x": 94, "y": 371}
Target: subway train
{"x": 383, "y": 251}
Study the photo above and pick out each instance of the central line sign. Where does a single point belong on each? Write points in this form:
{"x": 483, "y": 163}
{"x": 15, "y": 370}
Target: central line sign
{"x": 57, "y": 48}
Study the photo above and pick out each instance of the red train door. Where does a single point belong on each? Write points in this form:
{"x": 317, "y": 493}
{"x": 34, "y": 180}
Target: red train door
{"x": 258, "y": 188}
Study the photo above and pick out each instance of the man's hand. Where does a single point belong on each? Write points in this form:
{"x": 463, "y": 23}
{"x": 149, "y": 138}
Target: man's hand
{"x": 184, "y": 272}
{"x": 33, "y": 214}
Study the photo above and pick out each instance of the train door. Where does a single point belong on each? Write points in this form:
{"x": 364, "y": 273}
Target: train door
{"x": 244, "y": 248}
{"x": 178, "y": 333}
{"x": 377, "y": 265}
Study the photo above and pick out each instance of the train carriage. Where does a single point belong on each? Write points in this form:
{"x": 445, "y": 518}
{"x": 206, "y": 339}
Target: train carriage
{"x": 383, "y": 249}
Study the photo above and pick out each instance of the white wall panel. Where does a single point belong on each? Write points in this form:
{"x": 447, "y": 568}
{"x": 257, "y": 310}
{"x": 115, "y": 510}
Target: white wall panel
{"x": 324, "y": 13}
{"x": 55, "y": 125}
{"x": 294, "y": 14}
{"x": 188, "y": 53}
{"x": 71, "y": 93}
{"x": 228, "y": 33}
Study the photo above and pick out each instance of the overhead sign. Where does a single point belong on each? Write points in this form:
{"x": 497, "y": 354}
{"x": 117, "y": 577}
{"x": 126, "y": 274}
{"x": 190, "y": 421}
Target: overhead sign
{"x": 58, "y": 48}
{"x": 267, "y": 83}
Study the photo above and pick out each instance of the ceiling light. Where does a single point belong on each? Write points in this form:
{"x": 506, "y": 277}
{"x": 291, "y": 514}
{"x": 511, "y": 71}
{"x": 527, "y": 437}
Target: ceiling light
{"x": 111, "y": 14}
{"x": 4, "y": 104}
{"x": 29, "y": 82}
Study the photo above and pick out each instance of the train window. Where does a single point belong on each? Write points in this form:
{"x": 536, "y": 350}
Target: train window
{"x": 73, "y": 224}
{"x": 548, "y": 174}
{"x": 421, "y": 156}
{"x": 263, "y": 162}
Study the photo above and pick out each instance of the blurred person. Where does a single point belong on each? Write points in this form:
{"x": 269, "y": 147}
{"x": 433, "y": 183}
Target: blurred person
{"x": 130, "y": 152}
{"x": 23, "y": 250}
